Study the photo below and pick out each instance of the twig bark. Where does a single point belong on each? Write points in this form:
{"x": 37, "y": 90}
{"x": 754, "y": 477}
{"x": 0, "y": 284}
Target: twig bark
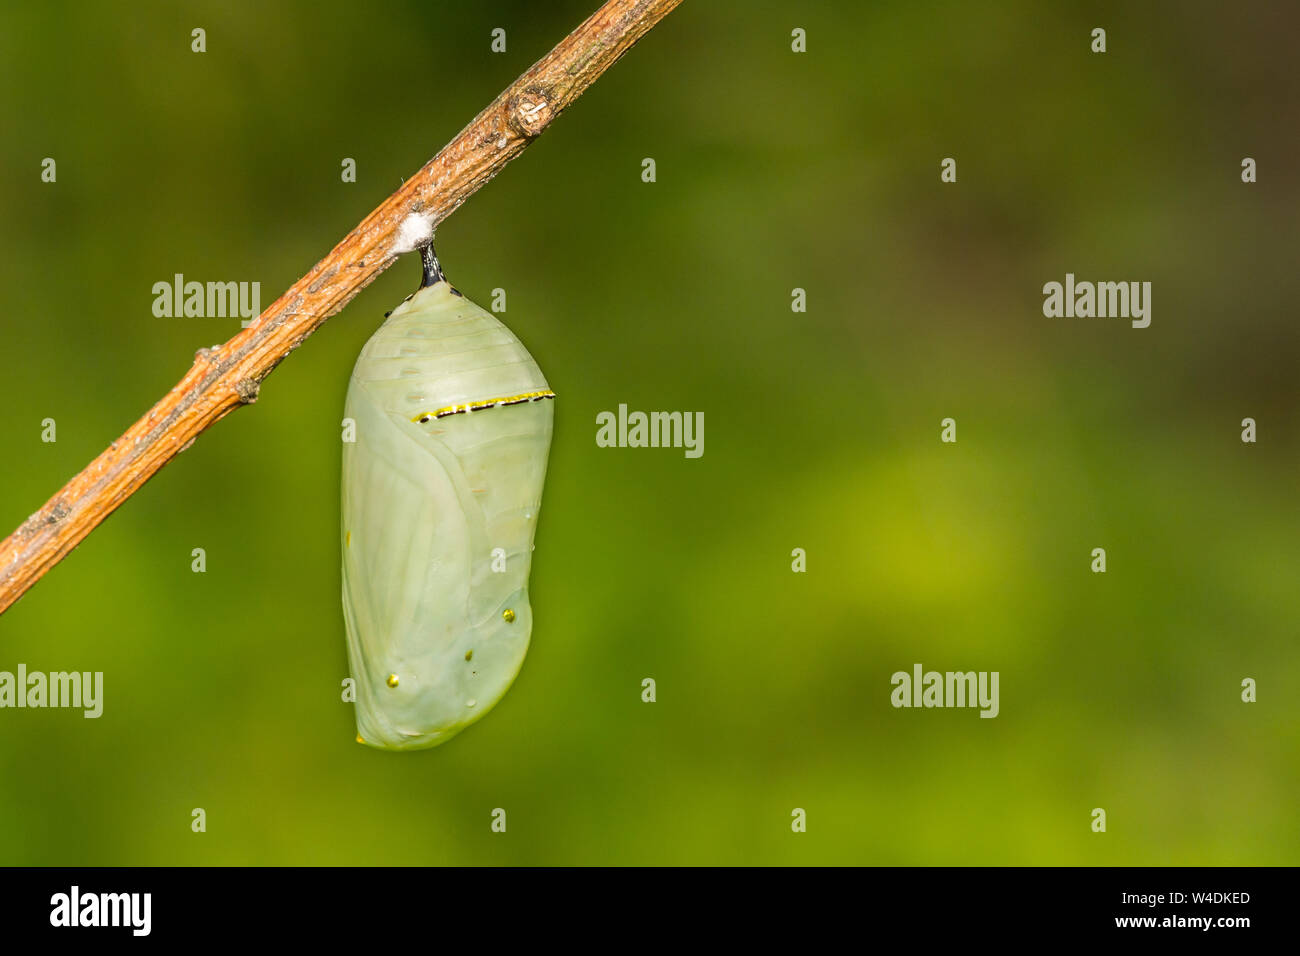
{"x": 229, "y": 375}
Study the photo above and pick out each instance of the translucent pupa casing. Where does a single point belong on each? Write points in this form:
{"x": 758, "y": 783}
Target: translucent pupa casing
{"x": 441, "y": 492}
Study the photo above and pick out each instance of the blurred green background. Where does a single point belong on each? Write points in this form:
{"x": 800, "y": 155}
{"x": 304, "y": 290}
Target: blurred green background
{"x": 775, "y": 170}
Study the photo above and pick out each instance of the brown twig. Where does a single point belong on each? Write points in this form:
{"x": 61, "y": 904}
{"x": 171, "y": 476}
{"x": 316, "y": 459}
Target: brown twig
{"x": 227, "y": 376}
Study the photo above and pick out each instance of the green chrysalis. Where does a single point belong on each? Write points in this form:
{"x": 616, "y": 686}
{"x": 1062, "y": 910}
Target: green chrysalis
{"x": 441, "y": 492}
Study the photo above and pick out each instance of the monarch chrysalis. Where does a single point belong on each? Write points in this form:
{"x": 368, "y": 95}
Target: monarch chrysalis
{"x": 441, "y": 490}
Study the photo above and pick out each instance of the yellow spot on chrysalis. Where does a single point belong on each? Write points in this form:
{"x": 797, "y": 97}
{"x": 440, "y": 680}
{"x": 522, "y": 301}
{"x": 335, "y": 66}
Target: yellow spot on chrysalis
{"x": 347, "y": 540}
{"x": 392, "y": 680}
{"x": 509, "y": 615}
{"x": 469, "y": 655}
{"x": 359, "y": 740}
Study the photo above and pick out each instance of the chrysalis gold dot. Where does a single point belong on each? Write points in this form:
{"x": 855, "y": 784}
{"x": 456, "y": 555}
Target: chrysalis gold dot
{"x": 359, "y": 740}
{"x": 392, "y": 680}
{"x": 509, "y": 615}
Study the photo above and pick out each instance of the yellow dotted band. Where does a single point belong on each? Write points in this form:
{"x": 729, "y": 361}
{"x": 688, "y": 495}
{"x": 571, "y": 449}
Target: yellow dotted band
{"x": 479, "y": 406}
